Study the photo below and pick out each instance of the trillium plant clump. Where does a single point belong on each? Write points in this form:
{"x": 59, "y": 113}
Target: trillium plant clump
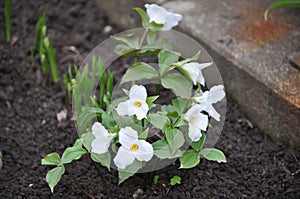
{"x": 132, "y": 133}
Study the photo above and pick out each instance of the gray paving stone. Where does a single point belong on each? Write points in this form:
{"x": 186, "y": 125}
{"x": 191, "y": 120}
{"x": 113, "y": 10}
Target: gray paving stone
{"x": 252, "y": 55}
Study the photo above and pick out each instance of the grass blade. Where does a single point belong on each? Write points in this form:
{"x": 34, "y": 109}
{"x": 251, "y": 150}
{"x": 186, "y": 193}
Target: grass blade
{"x": 281, "y": 3}
{"x": 7, "y": 10}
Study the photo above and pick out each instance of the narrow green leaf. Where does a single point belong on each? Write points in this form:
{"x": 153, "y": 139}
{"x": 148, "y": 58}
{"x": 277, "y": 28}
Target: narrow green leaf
{"x": 166, "y": 58}
{"x": 144, "y": 17}
{"x": 178, "y": 84}
{"x": 150, "y": 101}
{"x": 189, "y": 159}
{"x": 213, "y": 154}
{"x": 51, "y": 159}
{"x": 39, "y": 26}
{"x": 103, "y": 159}
{"x": 139, "y": 71}
{"x": 72, "y": 153}
{"x": 51, "y": 55}
{"x": 7, "y": 11}
{"x": 54, "y": 175}
{"x": 110, "y": 82}
{"x": 156, "y": 46}
{"x": 129, "y": 171}
{"x": 187, "y": 60}
{"x": 281, "y": 3}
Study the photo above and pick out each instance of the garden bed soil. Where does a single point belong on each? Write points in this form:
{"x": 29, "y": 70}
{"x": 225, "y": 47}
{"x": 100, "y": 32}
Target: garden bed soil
{"x": 257, "y": 167}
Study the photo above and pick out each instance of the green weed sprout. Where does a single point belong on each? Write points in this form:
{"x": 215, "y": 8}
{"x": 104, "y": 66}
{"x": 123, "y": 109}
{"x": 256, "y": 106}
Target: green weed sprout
{"x": 115, "y": 132}
{"x": 7, "y": 10}
{"x": 175, "y": 180}
{"x": 155, "y": 179}
{"x": 281, "y": 4}
{"x": 69, "y": 81}
{"x": 44, "y": 47}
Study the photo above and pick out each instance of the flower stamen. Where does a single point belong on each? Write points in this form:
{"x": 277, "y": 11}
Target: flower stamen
{"x": 137, "y": 104}
{"x": 192, "y": 120}
{"x": 134, "y": 147}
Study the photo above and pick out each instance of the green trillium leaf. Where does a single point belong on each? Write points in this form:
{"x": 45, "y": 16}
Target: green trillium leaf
{"x": 54, "y": 175}
{"x": 178, "y": 84}
{"x": 189, "y": 159}
{"x": 51, "y": 159}
{"x": 139, "y": 71}
{"x": 213, "y": 154}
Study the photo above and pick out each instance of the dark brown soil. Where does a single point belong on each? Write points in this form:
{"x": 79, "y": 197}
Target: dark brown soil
{"x": 257, "y": 166}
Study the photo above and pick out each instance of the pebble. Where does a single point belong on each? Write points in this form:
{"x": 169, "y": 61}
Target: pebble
{"x": 137, "y": 193}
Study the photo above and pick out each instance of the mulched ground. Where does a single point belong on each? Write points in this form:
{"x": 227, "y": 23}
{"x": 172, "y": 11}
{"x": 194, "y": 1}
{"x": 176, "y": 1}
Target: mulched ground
{"x": 257, "y": 166}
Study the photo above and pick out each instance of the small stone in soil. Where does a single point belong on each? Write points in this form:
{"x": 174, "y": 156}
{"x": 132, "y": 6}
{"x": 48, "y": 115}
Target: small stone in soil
{"x": 137, "y": 193}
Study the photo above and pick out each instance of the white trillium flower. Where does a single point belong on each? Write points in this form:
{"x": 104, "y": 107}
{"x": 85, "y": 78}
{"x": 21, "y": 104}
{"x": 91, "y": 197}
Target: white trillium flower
{"x": 194, "y": 70}
{"x": 197, "y": 122}
{"x": 206, "y": 99}
{"x": 102, "y": 138}
{"x": 132, "y": 148}
{"x": 136, "y": 105}
{"x": 160, "y": 15}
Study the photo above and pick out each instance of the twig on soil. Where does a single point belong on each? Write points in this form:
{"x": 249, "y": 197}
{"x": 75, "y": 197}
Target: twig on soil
{"x": 77, "y": 184}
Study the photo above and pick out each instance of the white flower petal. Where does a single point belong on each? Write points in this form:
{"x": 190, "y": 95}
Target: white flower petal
{"x": 213, "y": 113}
{"x": 123, "y": 158}
{"x": 216, "y": 94}
{"x": 156, "y": 13}
{"x": 194, "y": 70}
{"x": 161, "y": 16}
{"x": 127, "y": 136}
{"x": 200, "y": 78}
{"x": 141, "y": 112}
{"x": 145, "y": 151}
{"x": 194, "y": 133}
{"x": 131, "y": 107}
{"x": 122, "y": 108}
{"x": 203, "y": 65}
{"x": 138, "y": 93}
{"x": 171, "y": 21}
{"x": 191, "y": 70}
{"x": 201, "y": 121}
{"x": 98, "y": 130}
{"x": 100, "y": 145}
{"x": 194, "y": 110}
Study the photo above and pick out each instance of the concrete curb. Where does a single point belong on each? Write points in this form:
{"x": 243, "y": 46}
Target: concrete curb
{"x": 252, "y": 55}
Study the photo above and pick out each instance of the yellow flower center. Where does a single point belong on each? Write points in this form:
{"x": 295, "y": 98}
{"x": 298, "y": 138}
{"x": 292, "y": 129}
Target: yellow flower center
{"x": 137, "y": 104}
{"x": 192, "y": 120}
{"x": 134, "y": 147}
{"x": 108, "y": 136}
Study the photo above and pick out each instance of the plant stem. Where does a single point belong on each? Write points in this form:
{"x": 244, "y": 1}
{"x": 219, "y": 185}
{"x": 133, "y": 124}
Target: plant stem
{"x": 77, "y": 184}
{"x": 143, "y": 38}
{"x": 157, "y": 89}
{"x": 105, "y": 187}
{"x": 7, "y": 10}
